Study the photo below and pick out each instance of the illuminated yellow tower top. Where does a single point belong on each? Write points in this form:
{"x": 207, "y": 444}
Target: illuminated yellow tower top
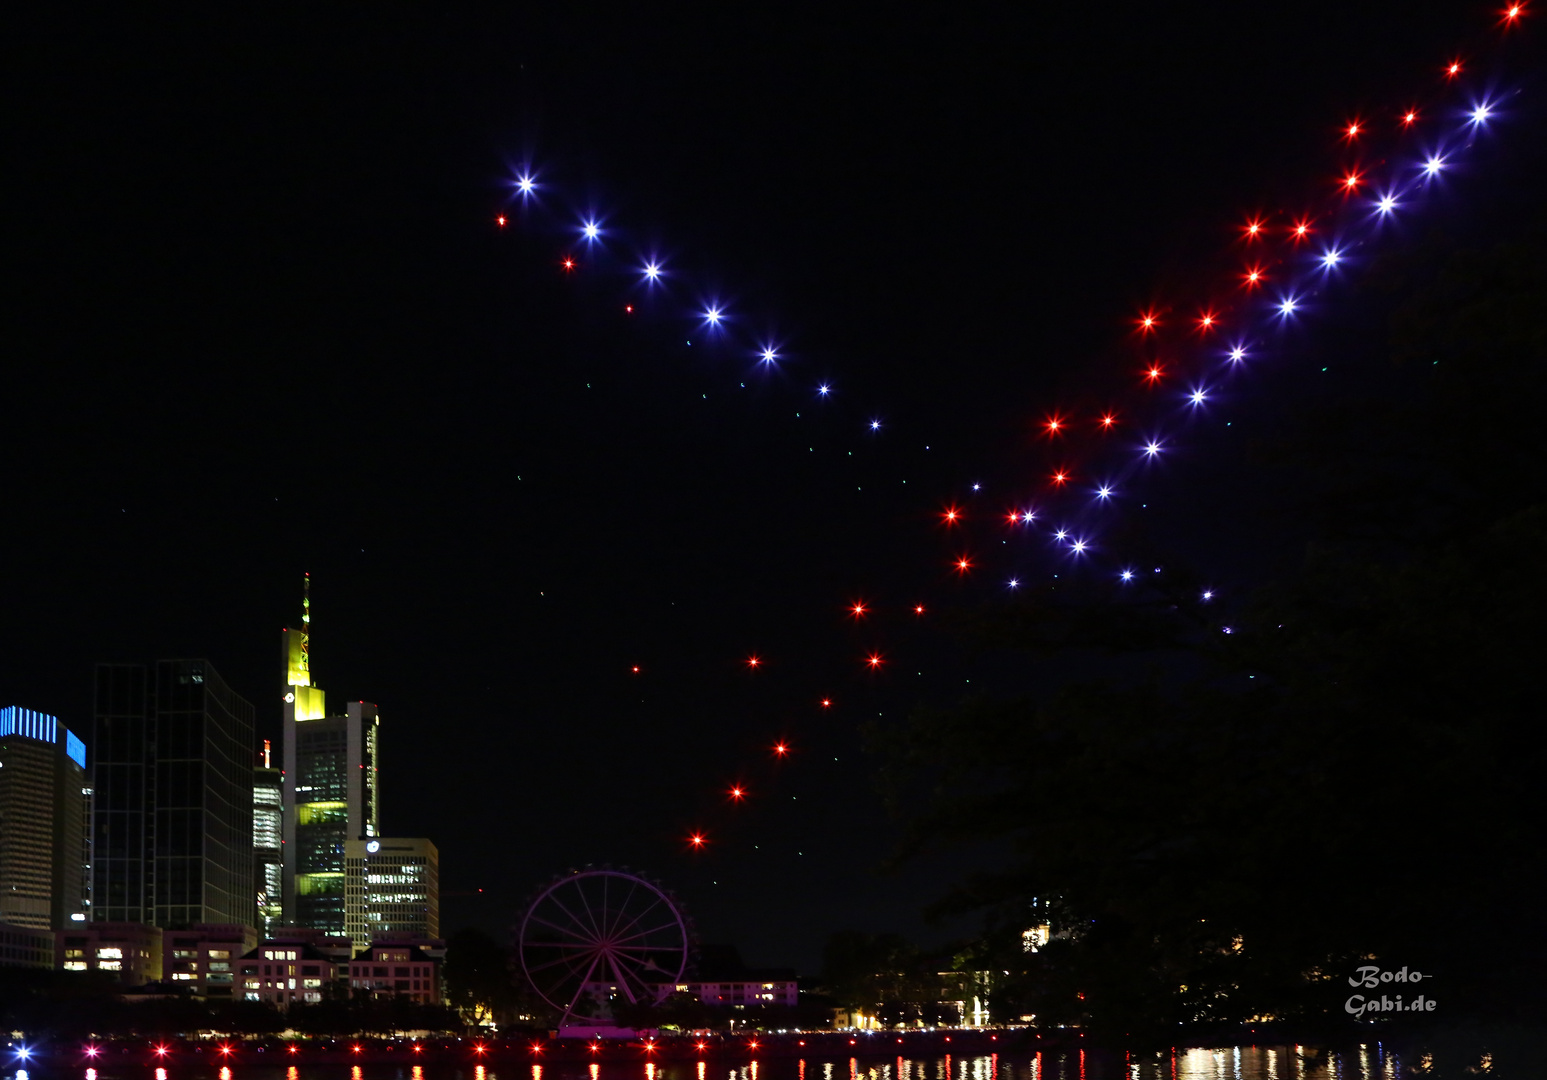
{"x": 303, "y": 696}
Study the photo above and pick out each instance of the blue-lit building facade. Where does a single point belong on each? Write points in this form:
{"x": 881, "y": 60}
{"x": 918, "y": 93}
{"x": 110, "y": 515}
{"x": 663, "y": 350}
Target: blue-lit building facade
{"x": 45, "y": 810}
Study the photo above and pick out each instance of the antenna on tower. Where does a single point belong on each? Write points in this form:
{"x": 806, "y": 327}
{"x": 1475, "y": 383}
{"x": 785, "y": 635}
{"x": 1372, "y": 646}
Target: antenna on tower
{"x": 266, "y": 764}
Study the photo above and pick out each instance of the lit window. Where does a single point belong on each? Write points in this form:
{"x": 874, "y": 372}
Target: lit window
{"x": 110, "y": 954}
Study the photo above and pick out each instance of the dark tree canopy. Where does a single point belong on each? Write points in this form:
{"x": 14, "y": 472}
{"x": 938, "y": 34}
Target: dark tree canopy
{"x": 1223, "y": 826}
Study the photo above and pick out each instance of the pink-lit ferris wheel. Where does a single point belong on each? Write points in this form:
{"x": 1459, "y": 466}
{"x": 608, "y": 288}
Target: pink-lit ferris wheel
{"x": 594, "y": 935}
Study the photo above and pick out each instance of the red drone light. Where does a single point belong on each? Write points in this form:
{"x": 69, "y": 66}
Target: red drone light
{"x": 569, "y": 264}
{"x": 963, "y": 564}
{"x": 737, "y": 793}
{"x": 827, "y": 703}
{"x": 1453, "y": 69}
{"x": 1253, "y": 277}
{"x": 951, "y": 514}
{"x": 500, "y": 221}
{"x": 1060, "y": 477}
{"x": 628, "y": 309}
{"x": 1054, "y": 424}
{"x": 1107, "y": 420}
{"x": 1513, "y": 13}
{"x": 858, "y": 609}
{"x": 1301, "y": 230}
{"x": 1351, "y": 132}
{"x": 1148, "y": 321}
{"x": 874, "y": 660}
{"x": 753, "y": 661}
{"x": 1352, "y": 181}
{"x": 1253, "y": 229}
{"x": 1206, "y": 321}
{"x": 537, "y": 1048}
{"x": 1154, "y": 373}
{"x": 700, "y": 1046}
{"x": 1410, "y": 117}
{"x": 697, "y": 840}
{"x": 918, "y": 609}
{"x": 224, "y": 1049}
{"x": 636, "y": 669}
{"x": 752, "y": 1044}
{"x": 161, "y": 1051}
{"x": 294, "y": 1049}
{"x": 780, "y": 749}
{"x": 419, "y": 1049}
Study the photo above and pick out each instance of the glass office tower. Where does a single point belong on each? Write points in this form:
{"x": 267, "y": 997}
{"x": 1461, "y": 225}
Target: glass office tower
{"x": 173, "y": 776}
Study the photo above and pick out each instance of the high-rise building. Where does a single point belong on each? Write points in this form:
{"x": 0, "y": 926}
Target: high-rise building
{"x": 393, "y": 887}
{"x": 45, "y": 852}
{"x": 331, "y": 779}
{"x": 173, "y": 778}
{"x": 268, "y": 785}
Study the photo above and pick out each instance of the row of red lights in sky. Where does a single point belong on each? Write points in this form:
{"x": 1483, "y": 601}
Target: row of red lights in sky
{"x": 1207, "y": 321}
{"x": 1149, "y": 323}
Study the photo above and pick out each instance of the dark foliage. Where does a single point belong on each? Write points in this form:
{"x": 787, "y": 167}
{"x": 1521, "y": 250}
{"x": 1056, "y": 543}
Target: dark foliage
{"x": 1223, "y": 826}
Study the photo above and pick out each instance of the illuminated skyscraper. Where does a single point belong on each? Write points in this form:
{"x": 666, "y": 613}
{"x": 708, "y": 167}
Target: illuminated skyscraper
{"x": 45, "y": 853}
{"x": 173, "y": 775}
{"x": 330, "y": 787}
{"x": 267, "y": 833}
{"x": 393, "y": 887}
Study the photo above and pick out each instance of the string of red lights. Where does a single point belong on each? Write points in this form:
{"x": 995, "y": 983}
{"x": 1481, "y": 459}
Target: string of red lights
{"x": 1283, "y": 267}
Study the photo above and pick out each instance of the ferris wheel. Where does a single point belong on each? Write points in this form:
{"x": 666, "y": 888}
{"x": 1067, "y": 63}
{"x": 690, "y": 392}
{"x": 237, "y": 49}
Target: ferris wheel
{"x": 592, "y": 934}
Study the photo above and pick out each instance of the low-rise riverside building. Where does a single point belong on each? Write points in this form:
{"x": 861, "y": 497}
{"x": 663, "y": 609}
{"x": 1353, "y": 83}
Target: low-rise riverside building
{"x": 284, "y": 972}
{"x": 129, "y": 950}
{"x": 396, "y": 968}
{"x": 207, "y": 956}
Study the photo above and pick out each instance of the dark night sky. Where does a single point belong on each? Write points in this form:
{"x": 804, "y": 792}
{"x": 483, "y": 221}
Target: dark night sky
{"x": 261, "y": 323}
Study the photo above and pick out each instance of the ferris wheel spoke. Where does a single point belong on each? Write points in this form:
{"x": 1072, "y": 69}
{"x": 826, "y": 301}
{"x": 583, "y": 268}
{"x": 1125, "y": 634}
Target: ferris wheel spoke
{"x": 571, "y": 961}
{"x": 623, "y": 976}
{"x": 637, "y": 919}
{"x": 559, "y": 991}
{"x": 646, "y": 933}
{"x": 567, "y": 931}
{"x": 640, "y": 948}
{"x": 569, "y": 1010}
{"x": 586, "y": 903}
{"x": 592, "y": 933}
{"x": 622, "y": 908}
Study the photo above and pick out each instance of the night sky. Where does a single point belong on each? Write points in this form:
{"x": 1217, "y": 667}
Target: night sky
{"x": 262, "y": 322}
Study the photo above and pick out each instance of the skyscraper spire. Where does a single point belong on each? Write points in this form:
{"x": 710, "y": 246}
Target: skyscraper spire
{"x": 306, "y": 626}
